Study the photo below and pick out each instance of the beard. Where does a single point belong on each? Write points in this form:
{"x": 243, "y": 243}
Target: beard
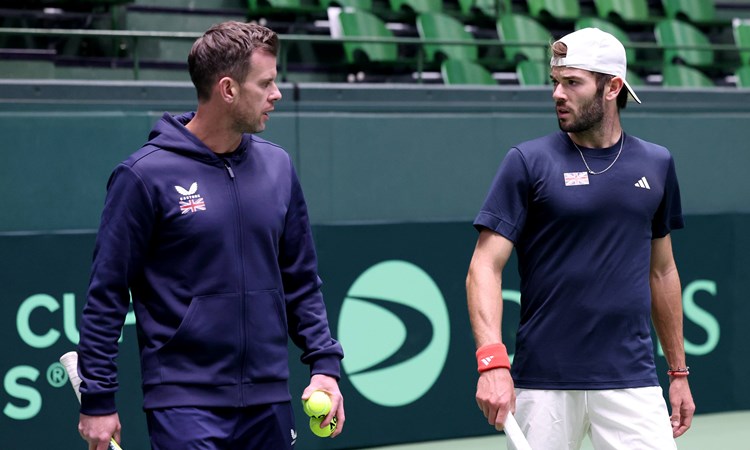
{"x": 590, "y": 114}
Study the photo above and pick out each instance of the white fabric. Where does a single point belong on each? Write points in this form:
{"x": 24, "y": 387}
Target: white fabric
{"x": 596, "y": 51}
{"x": 617, "y": 419}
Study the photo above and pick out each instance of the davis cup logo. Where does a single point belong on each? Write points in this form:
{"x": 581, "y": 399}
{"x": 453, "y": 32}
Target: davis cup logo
{"x": 394, "y": 326}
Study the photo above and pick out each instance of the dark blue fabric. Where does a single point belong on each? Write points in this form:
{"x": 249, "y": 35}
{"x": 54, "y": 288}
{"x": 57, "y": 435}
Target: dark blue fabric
{"x": 584, "y": 254}
{"x": 260, "y": 427}
{"x": 219, "y": 257}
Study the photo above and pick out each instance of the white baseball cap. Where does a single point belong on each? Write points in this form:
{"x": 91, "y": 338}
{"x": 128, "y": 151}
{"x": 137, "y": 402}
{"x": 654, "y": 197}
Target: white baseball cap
{"x": 596, "y": 51}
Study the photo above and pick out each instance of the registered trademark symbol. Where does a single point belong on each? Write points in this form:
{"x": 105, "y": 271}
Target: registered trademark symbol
{"x": 56, "y": 375}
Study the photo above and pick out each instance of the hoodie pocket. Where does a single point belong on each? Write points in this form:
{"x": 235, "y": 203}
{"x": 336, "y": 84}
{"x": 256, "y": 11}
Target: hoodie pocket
{"x": 266, "y": 337}
{"x": 206, "y": 347}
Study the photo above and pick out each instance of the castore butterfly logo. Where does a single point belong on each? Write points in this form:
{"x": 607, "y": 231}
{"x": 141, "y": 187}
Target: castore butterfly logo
{"x": 190, "y": 200}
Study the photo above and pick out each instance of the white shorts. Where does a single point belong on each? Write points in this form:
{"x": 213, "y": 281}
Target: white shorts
{"x": 616, "y": 419}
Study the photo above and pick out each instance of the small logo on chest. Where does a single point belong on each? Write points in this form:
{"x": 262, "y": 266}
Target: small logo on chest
{"x": 190, "y": 200}
{"x": 576, "y": 178}
{"x": 642, "y": 183}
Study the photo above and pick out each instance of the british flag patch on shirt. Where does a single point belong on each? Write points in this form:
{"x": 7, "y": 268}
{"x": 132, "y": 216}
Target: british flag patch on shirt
{"x": 191, "y": 201}
{"x": 192, "y": 205}
{"x": 576, "y": 178}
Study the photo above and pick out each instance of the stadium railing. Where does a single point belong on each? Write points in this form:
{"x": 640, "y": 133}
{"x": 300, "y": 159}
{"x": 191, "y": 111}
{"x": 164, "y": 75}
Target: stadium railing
{"x": 418, "y": 43}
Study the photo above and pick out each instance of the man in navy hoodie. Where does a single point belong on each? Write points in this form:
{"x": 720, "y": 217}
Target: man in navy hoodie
{"x": 207, "y": 228}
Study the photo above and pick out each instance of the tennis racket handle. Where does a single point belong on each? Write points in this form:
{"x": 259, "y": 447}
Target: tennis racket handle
{"x": 70, "y": 362}
{"x": 514, "y": 433}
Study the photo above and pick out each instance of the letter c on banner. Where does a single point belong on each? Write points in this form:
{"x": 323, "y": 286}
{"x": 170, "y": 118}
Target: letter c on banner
{"x": 24, "y": 315}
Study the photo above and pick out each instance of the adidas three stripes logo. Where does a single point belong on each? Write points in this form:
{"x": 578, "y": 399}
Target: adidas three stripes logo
{"x": 642, "y": 183}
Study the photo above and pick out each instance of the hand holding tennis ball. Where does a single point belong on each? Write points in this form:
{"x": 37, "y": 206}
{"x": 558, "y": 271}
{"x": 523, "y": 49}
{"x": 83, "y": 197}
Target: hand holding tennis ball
{"x": 323, "y": 402}
{"x": 317, "y": 405}
{"x": 325, "y": 431}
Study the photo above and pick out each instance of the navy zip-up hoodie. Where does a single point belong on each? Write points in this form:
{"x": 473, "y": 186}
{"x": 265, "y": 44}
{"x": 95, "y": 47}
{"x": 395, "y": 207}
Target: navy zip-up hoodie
{"x": 218, "y": 255}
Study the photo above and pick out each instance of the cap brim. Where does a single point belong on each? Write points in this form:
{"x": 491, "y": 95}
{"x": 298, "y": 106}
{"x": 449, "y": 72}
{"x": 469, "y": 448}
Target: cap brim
{"x": 630, "y": 90}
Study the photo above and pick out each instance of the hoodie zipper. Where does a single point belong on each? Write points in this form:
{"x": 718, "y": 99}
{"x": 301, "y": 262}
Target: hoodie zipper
{"x": 241, "y": 265}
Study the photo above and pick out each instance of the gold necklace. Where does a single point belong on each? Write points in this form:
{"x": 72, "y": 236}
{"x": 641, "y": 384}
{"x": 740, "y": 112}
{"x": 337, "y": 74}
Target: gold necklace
{"x": 608, "y": 167}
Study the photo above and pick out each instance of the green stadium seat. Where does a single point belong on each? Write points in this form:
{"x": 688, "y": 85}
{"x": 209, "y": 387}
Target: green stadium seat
{"x": 696, "y": 11}
{"x": 614, "y": 30}
{"x": 672, "y": 33}
{"x": 488, "y": 8}
{"x": 418, "y": 6}
{"x": 684, "y": 76}
{"x": 365, "y": 24}
{"x": 743, "y": 77}
{"x": 456, "y": 71}
{"x": 441, "y": 26}
{"x": 741, "y": 31}
{"x": 623, "y": 10}
{"x": 558, "y": 9}
{"x": 532, "y": 73}
{"x": 516, "y": 28}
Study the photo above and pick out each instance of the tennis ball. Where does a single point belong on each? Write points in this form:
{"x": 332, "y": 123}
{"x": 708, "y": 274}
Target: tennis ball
{"x": 319, "y": 404}
{"x": 322, "y": 432}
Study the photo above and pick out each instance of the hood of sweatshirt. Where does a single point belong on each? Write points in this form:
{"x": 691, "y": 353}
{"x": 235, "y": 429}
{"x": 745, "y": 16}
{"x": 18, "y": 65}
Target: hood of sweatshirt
{"x": 170, "y": 134}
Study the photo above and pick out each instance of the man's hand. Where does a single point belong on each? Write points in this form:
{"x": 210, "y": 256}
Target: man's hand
{"x": 98, "y": 430}
{"x": 496, "y": 396}
{"x": 683, "y": 407}
{"x": 330, "y": 386}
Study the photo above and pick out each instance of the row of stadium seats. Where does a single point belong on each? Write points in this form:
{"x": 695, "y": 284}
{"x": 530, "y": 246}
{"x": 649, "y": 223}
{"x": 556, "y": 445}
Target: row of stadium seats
{"x": 683, "y": 47}
{"x": 688, "y": 57}
{"x": 635, "y": 11}
{"x": 702, "y": 12}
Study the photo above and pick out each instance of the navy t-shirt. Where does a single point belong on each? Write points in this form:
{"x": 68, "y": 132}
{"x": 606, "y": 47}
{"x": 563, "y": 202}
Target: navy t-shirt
{"x": 584, "y": 246}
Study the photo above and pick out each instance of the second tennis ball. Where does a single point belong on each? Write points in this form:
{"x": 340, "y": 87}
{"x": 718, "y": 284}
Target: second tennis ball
{"x": 322, "y": 432}
{"x": 319, "y": 404}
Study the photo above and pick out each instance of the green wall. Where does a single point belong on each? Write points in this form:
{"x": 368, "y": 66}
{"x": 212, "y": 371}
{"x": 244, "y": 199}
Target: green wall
{"x": 365, "y": 153}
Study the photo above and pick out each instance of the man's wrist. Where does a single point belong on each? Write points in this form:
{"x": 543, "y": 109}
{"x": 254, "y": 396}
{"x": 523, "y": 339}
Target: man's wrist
{"x": 492, "y": 356}
{"x": 679, "y": 372}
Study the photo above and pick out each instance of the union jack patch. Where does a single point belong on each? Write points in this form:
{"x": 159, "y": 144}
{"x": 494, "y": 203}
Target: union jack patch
{"x": 192, "y": 205}
{"x": 576, "y": 178}
{"x": 191, "y": 201}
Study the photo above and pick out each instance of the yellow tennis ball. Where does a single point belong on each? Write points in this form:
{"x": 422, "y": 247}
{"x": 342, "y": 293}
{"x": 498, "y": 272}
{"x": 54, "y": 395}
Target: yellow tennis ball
{"x": 322, "y": 432}
{"x": 319, "y": 404}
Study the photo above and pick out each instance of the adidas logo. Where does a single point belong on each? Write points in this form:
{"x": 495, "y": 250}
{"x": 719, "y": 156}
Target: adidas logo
{"x": 642, "y": 183}
{"x": 486, "y": 361}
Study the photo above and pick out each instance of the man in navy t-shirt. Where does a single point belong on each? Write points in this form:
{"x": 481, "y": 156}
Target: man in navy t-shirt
{"x": 589, "y": 211}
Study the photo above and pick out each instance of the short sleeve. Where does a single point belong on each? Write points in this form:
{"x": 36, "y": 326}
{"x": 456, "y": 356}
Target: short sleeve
{"x": 505, "y": 208}
{"x": 669, "y": 215}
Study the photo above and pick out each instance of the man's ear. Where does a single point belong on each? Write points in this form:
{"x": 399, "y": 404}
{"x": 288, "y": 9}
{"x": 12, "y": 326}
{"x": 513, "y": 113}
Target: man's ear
{"x": 227, "y": 89}
{"x": 615, "y": 86}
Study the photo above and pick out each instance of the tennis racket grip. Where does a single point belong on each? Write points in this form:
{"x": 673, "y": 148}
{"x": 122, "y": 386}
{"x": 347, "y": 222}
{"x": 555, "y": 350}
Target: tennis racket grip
{"x": 514, "y": 433}
{"x": 70, "y": 362}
